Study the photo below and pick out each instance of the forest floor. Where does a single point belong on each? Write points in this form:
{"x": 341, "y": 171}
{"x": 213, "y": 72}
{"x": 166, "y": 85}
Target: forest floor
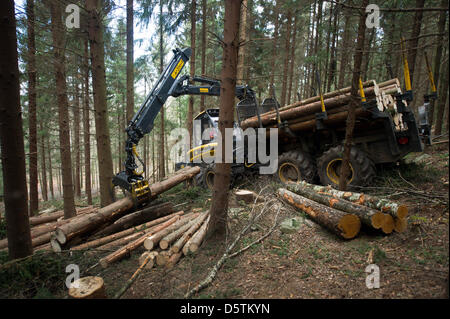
{"x": 310, "y": 263}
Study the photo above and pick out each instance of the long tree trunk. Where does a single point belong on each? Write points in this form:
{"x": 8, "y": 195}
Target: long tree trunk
{"x": 50, "y": 169}
{"x": 130, "y": 53}
{"x": 162, "y": 170}
{"x": 332, "y": 68}
{"x": 242, "y": 41}
{"x": 274, "y": 45}
{"x": 44, "y": 190}
{"x": 286, "y": 58}
{"x": 219, "y": 206}
{"x": 344, "y": 49}
{"x": 76, "y": 120}
{"x": 86, "y": 126}
{"x": 11, "y": 139}
{"x": 292, "y": 66}
{"x": 63, "y": 113}
{"x": 354, "y": 101}
{"x": 202, "y": 98}
{"x": 190, "y": 114}
{"x": 443, "y": 91}
{"x": 31, "y": 69}
{"x": 438, "y": 56}
{"x": 412, "y": 47}
{"x": 105, "y": 164}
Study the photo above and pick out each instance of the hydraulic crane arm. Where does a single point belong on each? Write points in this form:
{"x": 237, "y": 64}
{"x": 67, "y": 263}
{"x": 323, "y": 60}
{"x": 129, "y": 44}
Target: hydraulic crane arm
{"x": 142, "y": 123}
{"x": 211, "y": 87}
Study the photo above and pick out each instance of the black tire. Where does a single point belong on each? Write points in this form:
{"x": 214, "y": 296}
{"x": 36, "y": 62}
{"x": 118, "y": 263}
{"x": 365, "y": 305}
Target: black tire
{"x": 208, "y": 177}
{"x": 362, "y": 167}
{"x": 296, "y": 166}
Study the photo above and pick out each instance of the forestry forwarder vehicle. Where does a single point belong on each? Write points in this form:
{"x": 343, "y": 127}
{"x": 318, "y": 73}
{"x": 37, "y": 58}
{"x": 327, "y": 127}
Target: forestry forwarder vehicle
{"x": 381, "y": 144}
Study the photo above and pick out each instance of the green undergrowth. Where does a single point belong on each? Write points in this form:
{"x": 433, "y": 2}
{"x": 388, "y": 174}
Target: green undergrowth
{"x": 42, "y": 275}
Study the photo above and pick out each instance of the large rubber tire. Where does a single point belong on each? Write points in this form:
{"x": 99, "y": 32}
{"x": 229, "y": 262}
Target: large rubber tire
{"x": 296, "y": 166}
{"x": 362, "y": 167}
{"x": 208, "y": 177}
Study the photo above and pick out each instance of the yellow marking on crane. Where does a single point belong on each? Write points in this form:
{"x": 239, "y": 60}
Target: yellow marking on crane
{"x": 430, "y": 74}
{"x": 204, "y": 90}
{"x": 361, "y": 91}
{"x": 177, "y": 69}
{"x": 405, "y": 66}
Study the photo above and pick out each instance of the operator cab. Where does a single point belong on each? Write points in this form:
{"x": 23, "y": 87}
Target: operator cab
{"x": 209, "y": 120}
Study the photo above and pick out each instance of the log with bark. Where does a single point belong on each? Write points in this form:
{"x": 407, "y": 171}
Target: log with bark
{"x": 396, "y": 210}
{"x": 152, "y": 241}
{"x": 195, "y": 241}
{"x": 179, "y": 244}
{"x": 106, "y": 214}
{"x": 125, "y": 250}
{"x": 340, "y": 223}
{"x": 167, "y": 240}
{"x": 312, "y": 106}
{"x": 370, "y": 217}
{"x": 127, "y": 232}
{"x": 136, "y": 218}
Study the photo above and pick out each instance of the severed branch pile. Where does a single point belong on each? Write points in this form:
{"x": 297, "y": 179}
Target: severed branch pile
{"x": 343, "y": 213}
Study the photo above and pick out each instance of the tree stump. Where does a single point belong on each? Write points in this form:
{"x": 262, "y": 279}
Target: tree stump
{"x": 90, "y": 287}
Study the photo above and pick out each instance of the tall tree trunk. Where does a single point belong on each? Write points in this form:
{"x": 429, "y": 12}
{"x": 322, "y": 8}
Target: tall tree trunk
{"x": 438, "y": 55}
{"x": 344, "y": 49}
{"x": 219, "y": 206}
{"x": 366, "y": 55}
{"x": 11, "y": 139}
{"x": 86, "y": 126}
{"x": 105, "y": 164}
{"x": 31, "y": 69}
{"x": 292, "y": 66}
{"x": 44, "y": 190}
{"x": 332, "y": 71}
{"x": 50, "y": 169}
{"x": 354, "y": 99}
{"x": 63, "y": 113}
{"x": 130, "y": 70}
{"x": 443, "y": 92}
{"x": 76, "y": 120}
{"x": 162, "y": 170}
{"x": 286, "y": 58}
{"x": 317, "y": 40}
{"x": 417, "y": 24}
{"x": 242, "y": 42}
{"x": 190, "y": 114}
{"x": 275, "y": 43}
{"x": 202, "y": 98}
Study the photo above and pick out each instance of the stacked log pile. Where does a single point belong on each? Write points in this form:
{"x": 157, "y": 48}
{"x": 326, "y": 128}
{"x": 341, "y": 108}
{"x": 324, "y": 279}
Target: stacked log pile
{"x": 300, "y": 116}
{"x": 343, "y": 213}
{"x": 114, "y": 225}
{"x": 165, "y": 242}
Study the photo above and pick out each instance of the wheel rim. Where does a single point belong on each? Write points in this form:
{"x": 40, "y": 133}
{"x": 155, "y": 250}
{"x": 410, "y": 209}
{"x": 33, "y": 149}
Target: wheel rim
{"x": 289, "y": 172}
{"x": 333, "y": 169}
{"x": 210, "y": 179}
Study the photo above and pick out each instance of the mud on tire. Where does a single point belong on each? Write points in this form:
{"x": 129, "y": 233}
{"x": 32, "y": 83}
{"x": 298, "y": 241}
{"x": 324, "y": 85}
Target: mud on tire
{"x": 362, "y": 167}
{"x": 295, "y": 166}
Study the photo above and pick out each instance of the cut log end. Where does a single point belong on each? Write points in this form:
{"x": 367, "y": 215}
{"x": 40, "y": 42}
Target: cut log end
{"x": 56, "y": 247}
{"x": 90, "y": 287}
{"x": 349, "y": 225}
{"x": 402, "y": 211}
{"x": 163, "y": 244}
{"x": 377, "y": 220}
{"x": 151, "y": 262}
{"x": 60, "y": 236}
{"x": 388, "y": 224}
{"x": 400, "y": 224}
